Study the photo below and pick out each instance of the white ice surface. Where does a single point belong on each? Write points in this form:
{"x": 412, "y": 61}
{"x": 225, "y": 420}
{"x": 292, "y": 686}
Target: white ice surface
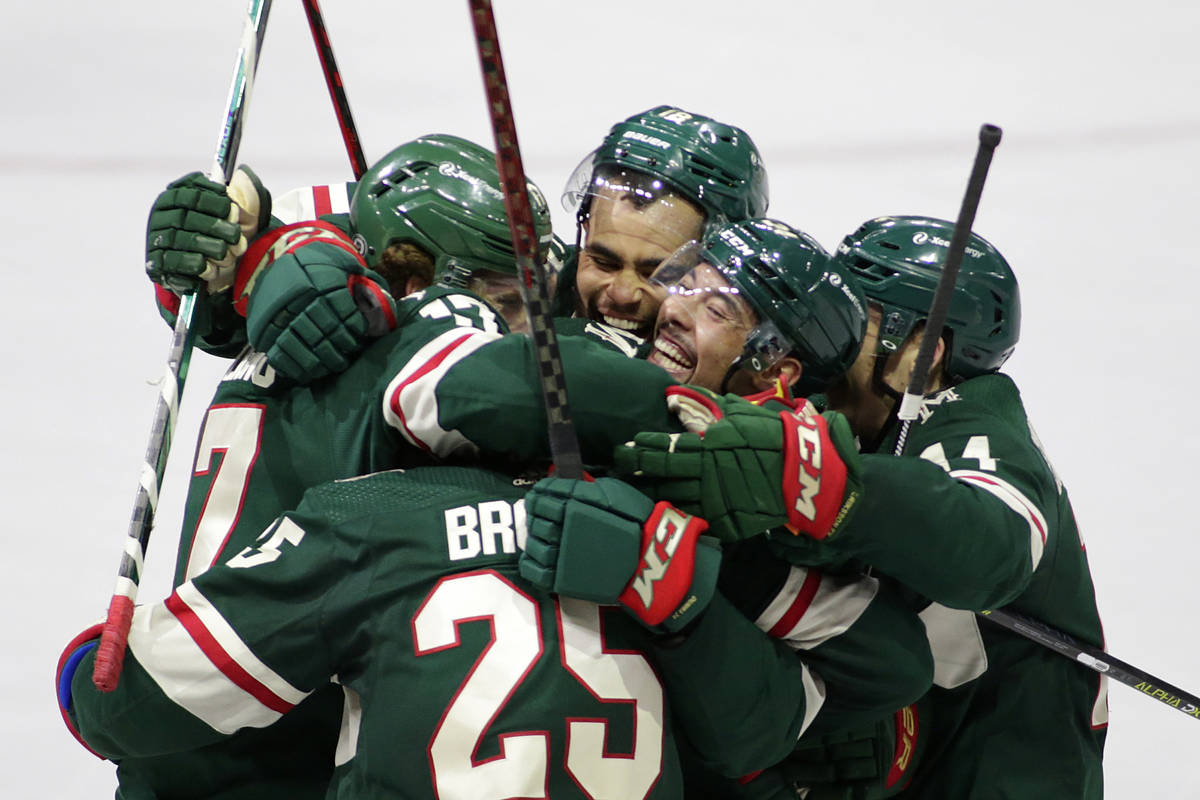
{"x": 859, "y": 109}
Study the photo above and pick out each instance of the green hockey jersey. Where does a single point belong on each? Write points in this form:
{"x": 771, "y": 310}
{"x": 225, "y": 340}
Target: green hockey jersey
{"x": 976, "y": 518}
{"x": 460, "y": 680}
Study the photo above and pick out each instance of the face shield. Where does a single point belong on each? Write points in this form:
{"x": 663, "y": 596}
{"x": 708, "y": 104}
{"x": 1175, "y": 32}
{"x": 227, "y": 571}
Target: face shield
{"x": 704, "y": 321}
{"x": 639, "y": 189}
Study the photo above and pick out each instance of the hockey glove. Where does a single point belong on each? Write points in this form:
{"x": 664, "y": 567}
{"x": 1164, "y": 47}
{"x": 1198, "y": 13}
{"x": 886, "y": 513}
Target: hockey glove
{"x": 606, "y": 542}
{"x": 310, "y": 303}
{"x": 866, "y": 763}
{"x": 198, "y": 228}
{"x": 753, "y": 470}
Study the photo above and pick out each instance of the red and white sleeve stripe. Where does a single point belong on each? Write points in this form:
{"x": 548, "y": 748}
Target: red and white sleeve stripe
{"x": 1014, "y": 499}
{"x": 812, "y": 608}
{"x": 201, "y": 663}
{"x": 410, "y": 404}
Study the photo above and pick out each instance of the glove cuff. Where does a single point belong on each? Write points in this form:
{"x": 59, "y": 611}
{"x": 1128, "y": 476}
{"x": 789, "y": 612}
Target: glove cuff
{"x": 279, "y": 242}
{"x": 696, "y": 408}
{"x": 814, "y": 482}
{"x": 662, "y": 586}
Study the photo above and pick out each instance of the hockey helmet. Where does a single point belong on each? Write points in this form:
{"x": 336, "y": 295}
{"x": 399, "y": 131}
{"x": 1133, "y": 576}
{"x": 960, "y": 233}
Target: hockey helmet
{"x": 442, "y": 193}
{"x": 713, "y": 165}
{"x": 898, "y": 261}
{"x": 806, "y": 306}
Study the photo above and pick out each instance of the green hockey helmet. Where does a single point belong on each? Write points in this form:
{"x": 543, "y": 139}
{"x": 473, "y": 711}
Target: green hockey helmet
{"x": 899, "y": 260}
{"x": 443, "y": 194}
{"x": 806, "y": 306}
{"x": 714, "y": 165}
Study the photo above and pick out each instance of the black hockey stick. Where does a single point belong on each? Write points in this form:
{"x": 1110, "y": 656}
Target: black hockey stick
{"x": 110, "y": 655}
{"x": 1096, "y": 659}
{"x": 914, "y": 395}
{"x": 564, "y": 446}
{"x": 337, "y": 92}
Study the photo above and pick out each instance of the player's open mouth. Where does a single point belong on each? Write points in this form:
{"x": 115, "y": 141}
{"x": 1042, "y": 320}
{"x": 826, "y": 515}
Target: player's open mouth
{"x": 631, "y": 325}
{"x": 671, "y": 357}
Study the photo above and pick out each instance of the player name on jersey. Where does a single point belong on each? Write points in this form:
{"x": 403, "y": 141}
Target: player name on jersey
{"x": 485, "y": 529}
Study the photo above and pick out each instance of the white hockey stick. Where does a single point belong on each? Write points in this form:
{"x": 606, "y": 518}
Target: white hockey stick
{"x": 111, "y": 653}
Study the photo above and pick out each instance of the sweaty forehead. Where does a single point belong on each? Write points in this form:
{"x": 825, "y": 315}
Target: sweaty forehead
{"x": 664, "y": 224}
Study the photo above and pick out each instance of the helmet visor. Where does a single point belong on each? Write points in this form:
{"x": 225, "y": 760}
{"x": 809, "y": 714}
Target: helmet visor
{"x": 620, "y": 184}
{"x": 697, "y": 289}
{"x": 702, "y": 293}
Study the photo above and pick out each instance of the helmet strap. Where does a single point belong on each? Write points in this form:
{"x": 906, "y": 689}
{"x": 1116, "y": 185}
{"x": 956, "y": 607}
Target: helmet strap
{"x": 880, "y": 386}
{"x": 734, "y": 367}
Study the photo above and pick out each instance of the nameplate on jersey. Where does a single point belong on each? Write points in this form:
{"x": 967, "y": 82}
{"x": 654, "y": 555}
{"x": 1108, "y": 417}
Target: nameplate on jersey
{"x": 485, "y": 529}
{"x": 252, "y": 366}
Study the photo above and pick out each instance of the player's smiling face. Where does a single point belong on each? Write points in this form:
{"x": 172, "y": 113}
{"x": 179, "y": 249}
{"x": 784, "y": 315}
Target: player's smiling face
{"x": 702, "y": 329}
{"x": 623, "y": 244}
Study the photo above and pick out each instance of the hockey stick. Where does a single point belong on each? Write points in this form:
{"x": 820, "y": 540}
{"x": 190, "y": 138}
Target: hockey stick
{"x": 1096, "y": 659}
{"x": 914, "y": 395}
{"x": 110, "y": 654}
{"x": 564, "y": 446}
{"x": 337, "y": 92}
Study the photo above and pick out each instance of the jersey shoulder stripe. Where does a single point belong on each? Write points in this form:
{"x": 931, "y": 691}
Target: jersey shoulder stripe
{"x": 410, "y": 401}
{"x": 1018, "y": 502}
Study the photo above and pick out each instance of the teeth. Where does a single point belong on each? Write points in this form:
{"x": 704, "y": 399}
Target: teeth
{"x": 672, "y": 353}
{"x": 621, "y": 324}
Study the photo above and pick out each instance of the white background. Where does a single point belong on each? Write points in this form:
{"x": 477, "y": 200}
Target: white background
{"x": 859, "y": 109}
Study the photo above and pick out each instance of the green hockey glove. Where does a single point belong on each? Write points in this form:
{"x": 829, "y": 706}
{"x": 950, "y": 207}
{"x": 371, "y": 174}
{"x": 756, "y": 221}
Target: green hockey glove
{"x": 311, "y": 305}
{"x": 867, "y": 763}
{"x": 198, "y": 228}
{"x": 606, "y": 542}
{"x": 752, "y": 469}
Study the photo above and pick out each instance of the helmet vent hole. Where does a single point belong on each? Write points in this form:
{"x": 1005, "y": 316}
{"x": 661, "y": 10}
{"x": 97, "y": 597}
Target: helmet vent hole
{"x": 889, "y": 245}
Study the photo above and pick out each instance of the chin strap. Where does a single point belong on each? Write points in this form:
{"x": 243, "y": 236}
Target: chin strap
{"x": 879, "y": 385}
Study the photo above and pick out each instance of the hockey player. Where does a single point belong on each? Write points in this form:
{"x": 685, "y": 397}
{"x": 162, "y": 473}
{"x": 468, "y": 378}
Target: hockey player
{"x": 265, "y": 439}
{"x": 462, "y": 680}
{"x": 654, "y": 183}
{"x": 976, "y": 520}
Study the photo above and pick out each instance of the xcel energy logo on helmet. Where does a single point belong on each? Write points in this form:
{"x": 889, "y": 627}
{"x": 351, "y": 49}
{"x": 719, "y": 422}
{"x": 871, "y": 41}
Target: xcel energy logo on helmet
{"x": 451, "y": 170}
{"x": 921, "y": 237}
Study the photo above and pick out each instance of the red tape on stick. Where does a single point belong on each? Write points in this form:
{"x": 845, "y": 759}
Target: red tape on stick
{"x": 110, "y": 654}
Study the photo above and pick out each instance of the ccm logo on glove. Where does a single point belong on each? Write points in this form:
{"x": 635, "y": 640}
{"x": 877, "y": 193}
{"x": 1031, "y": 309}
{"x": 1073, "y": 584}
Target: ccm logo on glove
{"x": 663, "y": 533}
{"x": 813, "y": 492}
